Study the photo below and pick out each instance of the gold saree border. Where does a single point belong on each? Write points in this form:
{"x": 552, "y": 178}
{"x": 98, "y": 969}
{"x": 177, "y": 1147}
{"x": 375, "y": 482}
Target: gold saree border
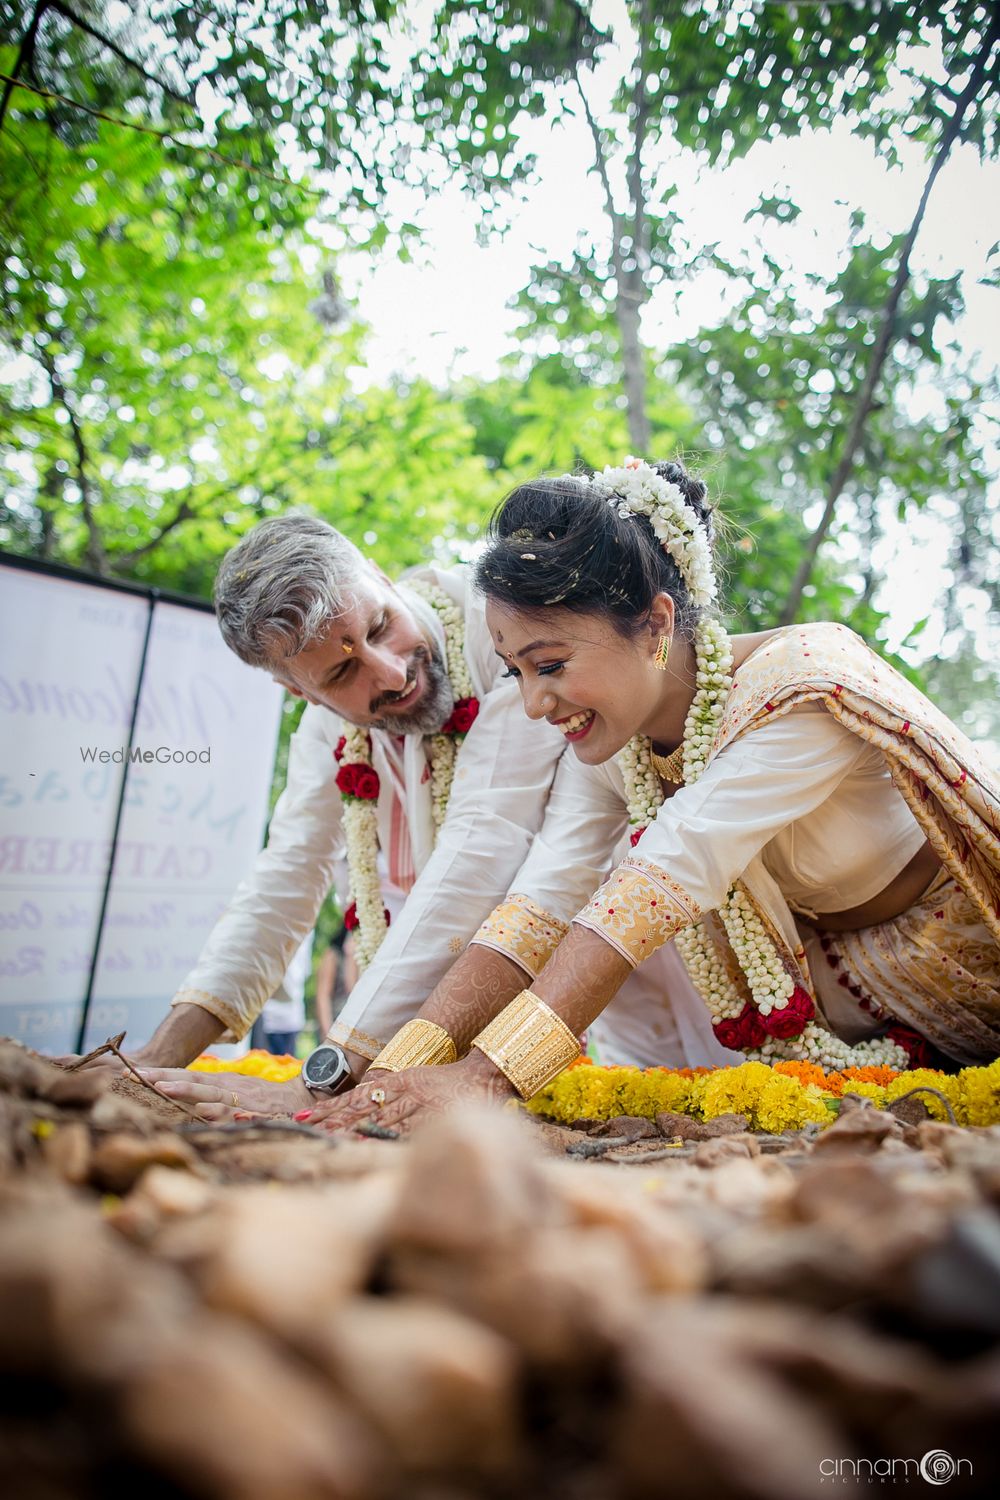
{"x": 638, "y": 909}
{"x": 522, "y": 930}
{"x": 233, "y": 1019}
{"x": 356, "y": 1041}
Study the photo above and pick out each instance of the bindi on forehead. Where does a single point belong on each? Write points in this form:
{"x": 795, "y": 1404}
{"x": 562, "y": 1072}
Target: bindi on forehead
{"x": 347, "y": 645}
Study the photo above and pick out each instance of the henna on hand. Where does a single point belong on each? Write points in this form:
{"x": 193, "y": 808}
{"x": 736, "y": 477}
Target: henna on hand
{"x": 475, "y": 989}
{"x": 583, "y": 976}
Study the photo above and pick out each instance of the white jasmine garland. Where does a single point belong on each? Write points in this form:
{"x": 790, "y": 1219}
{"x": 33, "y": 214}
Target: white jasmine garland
{"x": 452, "y": 620}
{"x": 817, "y": 1045}
{"x": 770, "y": 985}
{"x": 443, "y": 746}
{"x": 361, "y": 816}
{"x": 636, "y": 489}
{"x": 361, "y": 836}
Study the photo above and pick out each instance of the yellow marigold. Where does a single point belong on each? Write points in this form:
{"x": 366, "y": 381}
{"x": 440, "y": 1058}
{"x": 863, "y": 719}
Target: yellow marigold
{"x": 945, "y": 1083}
{"x": 785, "y": 1097}
{"x": 786, "y": 1104}
{"x": 255, "y": 1064}
{"x": 730, "y": 1091}
{"x": 979, "y": 1095}
{"x": 596, "y": 1093}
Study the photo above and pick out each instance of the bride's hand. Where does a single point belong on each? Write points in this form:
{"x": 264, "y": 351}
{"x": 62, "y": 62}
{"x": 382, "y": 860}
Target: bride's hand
{"x": 397, "y": 1101}
{"x": 218, "y": 1096}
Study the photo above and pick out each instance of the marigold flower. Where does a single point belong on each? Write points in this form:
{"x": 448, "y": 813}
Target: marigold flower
{"x": 253, "y": 1064}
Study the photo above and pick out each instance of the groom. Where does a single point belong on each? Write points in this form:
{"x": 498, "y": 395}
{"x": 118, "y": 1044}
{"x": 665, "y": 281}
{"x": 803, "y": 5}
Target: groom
{"x": 299, "y": 600}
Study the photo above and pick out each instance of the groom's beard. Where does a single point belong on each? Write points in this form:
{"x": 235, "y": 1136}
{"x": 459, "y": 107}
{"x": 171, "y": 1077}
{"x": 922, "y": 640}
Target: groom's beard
{"x": 427, "y": 716}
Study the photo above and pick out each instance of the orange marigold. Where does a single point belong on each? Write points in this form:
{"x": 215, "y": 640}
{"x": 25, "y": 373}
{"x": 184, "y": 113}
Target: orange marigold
{"x": 807, "y": 1072}
{"x": 882, "y": 1076}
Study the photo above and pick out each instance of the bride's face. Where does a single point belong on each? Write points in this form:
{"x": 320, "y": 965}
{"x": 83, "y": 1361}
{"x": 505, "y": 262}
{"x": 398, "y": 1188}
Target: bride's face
{"x": 577, "y": 671}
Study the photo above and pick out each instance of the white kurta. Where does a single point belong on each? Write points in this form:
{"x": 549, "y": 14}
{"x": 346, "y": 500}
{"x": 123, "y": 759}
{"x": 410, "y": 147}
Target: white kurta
{"x": 503, "y": 774}
{"x": 813, "y": 799}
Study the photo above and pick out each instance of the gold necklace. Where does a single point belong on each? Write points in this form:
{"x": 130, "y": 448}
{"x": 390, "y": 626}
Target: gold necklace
{"x": 669, "y": 767}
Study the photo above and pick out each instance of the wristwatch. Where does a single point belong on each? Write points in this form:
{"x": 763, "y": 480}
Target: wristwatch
{"x": 326, "y": 1070}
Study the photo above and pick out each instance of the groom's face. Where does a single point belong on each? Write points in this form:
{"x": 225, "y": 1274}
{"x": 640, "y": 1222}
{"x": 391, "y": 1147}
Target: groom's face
{"x": 375, "y": 666}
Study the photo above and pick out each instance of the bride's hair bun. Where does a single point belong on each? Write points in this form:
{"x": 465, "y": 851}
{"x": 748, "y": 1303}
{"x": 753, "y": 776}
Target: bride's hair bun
{"x": 561, "y": 542}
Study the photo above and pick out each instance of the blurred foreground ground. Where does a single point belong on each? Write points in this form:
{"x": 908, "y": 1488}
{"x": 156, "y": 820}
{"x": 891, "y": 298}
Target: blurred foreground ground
{"x": 495, "y": 1308}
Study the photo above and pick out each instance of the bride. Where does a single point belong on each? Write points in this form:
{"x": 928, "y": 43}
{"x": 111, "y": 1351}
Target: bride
{"x": 820, "y": 840}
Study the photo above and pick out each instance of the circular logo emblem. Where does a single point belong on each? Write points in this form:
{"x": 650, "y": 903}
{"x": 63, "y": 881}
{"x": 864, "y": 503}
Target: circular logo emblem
{"x": 937, "y": 1467}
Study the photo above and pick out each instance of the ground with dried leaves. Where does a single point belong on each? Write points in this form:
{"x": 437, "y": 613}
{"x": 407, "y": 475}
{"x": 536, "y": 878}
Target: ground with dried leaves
{"x": 494, "y": 1308}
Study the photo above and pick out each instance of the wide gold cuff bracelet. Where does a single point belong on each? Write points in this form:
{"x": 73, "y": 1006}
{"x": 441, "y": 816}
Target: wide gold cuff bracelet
{"x": 418, "y": 1044}
{"x": 529, "y": 1043}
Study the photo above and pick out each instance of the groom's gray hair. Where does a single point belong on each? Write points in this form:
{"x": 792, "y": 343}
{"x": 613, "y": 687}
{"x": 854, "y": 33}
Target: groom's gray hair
{"x": 280, "y": 587}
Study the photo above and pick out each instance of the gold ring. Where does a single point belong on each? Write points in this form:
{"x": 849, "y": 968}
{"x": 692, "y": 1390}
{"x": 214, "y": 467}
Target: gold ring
{"x": 377, "y": 1096}
{"x": 236, "y": 1100}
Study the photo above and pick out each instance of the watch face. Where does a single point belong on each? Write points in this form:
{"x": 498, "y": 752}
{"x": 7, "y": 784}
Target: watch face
{"x": 324, "y": 1067}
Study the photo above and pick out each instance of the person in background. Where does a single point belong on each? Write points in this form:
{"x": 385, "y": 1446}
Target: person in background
{"x": 284, "y": 1014}
{"x": 335, "y": 978}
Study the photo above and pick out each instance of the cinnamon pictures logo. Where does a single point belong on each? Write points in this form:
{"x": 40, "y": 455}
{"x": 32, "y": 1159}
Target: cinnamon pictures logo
{"x": 136, "y": 756}
{"x": 936, "y": 1467}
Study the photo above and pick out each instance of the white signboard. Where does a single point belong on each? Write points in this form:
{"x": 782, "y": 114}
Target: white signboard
{"x": 196, "y": 784}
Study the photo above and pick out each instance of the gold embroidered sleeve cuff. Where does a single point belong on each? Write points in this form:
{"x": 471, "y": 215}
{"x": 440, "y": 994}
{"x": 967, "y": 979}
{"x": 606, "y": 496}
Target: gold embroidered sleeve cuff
{"x": 418, "y": 1044}
{"x": 638, "y": 909}
{"x": 354, "y": 1040}
{"x": 529, "y": 1043}
{"x": 522, "y": 931}
{"x": 235, "y": 1020}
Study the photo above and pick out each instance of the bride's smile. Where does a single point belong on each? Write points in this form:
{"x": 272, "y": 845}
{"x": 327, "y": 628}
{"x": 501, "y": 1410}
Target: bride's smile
{"x": 598, "y": 686}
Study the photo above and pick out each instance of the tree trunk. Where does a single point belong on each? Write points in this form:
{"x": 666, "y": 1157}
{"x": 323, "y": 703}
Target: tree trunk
{"x": 633, "y": 371}
{"x": 627, "y": 259}
{"x": 866, "y": 396}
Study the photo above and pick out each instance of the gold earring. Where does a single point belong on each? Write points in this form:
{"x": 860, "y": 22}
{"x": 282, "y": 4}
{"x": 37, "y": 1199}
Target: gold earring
{"x": 661, "y": 653}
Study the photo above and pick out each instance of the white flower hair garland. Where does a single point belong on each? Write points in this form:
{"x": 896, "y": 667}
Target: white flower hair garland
{"x": 777, "y": 1021}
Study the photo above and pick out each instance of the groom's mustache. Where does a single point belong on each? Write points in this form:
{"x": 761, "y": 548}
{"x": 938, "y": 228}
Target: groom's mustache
{"x": 420, "y": 657}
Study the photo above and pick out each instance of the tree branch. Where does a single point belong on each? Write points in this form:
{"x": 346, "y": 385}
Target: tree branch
{"x": 118, "y": 51}
{"x": 183, "y": 513}
{"x": 602, "y": 171}
{"x": 23, "y": 59}
{"x": 866, "y": 396}
{"x": 95, "y": 546}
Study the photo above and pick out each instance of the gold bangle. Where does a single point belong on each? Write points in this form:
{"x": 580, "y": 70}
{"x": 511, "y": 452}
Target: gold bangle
{"x": 529, "y": 1043}
{"x": 418, "y": 1044}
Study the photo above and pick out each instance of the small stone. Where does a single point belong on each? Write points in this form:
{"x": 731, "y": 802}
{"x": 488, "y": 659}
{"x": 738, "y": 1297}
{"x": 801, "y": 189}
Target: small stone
{"x": 120, "y": 1160}
{"x": 439, "y": 1387}
{"x": 67, "y": 1151}
{"x": 725, "y": 1148}
{"x": 473, "y": 1183}
{"x": 687, "y": 1128}
{"x": 628, "y": 1128}
{"x": 860, "y": 1131}
{"x": 277, "y": 1262}
{"x": 226, "y": 1406}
